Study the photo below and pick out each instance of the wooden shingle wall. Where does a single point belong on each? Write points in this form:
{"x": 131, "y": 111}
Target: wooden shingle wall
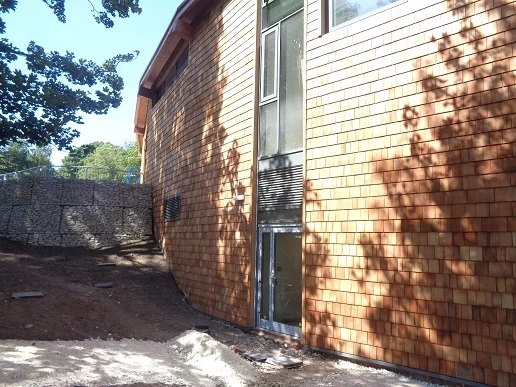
{"x": 199, "y": 145}
{"x": 411, "y": 187}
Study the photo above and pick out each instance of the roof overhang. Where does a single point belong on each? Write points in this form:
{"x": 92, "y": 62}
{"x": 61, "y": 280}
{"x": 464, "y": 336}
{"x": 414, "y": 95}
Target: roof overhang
{"x": 180, "y": 29}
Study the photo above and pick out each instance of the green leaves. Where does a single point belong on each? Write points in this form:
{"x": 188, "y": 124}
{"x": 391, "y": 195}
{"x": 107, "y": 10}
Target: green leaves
{"x": 7, "y": 5}
{"x": 19, "y": 156}
{"x": 104, "y": 156}
{"x": 39, "y": 104}
{"x": 107, "y": 155}
{"x": 115, "y": 8}
{"x": 58, "y": 6}
{"x": 78, "y": 154}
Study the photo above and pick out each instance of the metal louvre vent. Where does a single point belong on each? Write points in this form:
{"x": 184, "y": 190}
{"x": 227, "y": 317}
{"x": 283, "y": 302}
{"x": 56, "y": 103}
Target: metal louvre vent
{"x": 280, "y": 189}
{"x": 172, "y": 208}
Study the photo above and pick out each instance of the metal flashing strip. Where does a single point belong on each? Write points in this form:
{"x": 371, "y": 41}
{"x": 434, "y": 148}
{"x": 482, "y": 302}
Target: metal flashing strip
{"x": 290, "y": 159}
{"x": 38, "y": 294}
{"x": 413, "y": 372}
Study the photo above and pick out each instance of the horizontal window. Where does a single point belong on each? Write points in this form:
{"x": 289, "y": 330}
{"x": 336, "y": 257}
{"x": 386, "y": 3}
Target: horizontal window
{"x": 342, "y": 11}
{"x": 173, "y": 74}
{"x": 275, "y": 10}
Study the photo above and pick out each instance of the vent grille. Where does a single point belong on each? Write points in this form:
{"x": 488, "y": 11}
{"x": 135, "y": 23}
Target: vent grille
{"x": 280, "y": 189}
{"x": 172, "y": 208}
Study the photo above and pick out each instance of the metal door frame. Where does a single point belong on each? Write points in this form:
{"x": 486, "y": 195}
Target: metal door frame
{"x": 269, "y": 324}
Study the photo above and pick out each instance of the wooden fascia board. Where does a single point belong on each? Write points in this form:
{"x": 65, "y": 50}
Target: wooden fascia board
{"x": 183, "y": 30}
{"x": 139, "y": 143}
{"x": 140, "y": 115}
{"x": 179, "y": 28}
{"x": 144, "y": 92}
{"x": 159, "y": 60}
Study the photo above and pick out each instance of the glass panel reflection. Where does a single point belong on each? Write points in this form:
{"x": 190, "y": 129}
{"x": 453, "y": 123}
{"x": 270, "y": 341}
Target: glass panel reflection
{"x": 287, "y": 288}
{"x": 269, "y": 65}
{"x": 269, "y": 129}
{"x": 266, "y": 274}
{"x": 275, "y": 10}
{"x": 291, "y": 86}
{"x": 345, "y": 10}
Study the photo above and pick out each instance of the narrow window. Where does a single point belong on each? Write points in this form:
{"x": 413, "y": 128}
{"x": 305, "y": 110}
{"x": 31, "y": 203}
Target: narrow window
{"x": 172, "y": 74}
{"x": 281, "y": 94}
{"x": 269, "y": 64}
{"x": 290, "y": 84}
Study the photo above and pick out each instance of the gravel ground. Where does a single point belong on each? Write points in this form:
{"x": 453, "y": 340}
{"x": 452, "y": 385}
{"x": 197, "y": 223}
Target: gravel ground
{"x": 191, "y": 359}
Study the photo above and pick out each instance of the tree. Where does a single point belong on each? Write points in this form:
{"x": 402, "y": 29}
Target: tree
{"x": 38, "y": 104}
{"x": 107, "y": 155}
{"x": 109, "y": 161}
{"x": 77, "y": 155}
{"x": 19, "y": 156}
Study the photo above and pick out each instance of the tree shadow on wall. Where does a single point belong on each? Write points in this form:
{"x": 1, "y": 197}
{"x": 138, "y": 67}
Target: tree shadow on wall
{"x": 445, "y": 232}
{"x": 322, "y": 302}
{"x": 191, "y": 152}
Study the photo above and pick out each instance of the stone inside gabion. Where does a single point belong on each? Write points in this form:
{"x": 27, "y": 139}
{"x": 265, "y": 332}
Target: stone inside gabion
{"x": 67, "y": 213}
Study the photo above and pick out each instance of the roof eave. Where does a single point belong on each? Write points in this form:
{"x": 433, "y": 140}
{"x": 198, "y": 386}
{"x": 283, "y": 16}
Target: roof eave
{"x": 179, "y": 29}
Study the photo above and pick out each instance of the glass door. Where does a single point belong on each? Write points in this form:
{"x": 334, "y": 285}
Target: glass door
{"x": 279, "y": 276}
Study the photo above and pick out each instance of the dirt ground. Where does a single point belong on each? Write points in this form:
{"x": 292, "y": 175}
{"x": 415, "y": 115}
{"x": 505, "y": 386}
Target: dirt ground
{"x": 143, "y": 304}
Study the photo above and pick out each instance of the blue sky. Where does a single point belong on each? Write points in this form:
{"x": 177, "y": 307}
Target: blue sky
{"x": 33, "y": 20}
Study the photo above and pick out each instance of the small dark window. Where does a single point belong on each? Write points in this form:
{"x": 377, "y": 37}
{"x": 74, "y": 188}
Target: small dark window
{"x": 172, "y": 209}
{"x": 177, "y": 69}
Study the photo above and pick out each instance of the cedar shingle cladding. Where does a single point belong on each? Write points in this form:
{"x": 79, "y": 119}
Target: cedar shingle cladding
{"x": 410, "y": 202}
{"x": 411, "y": 197}
{"x": 199, "y": 145}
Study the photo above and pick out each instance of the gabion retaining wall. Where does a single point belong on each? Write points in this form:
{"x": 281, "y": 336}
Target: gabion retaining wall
{"x": 61, "y": 212}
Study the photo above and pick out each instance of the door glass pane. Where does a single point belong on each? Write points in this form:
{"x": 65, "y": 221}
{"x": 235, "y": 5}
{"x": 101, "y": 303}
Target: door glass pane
{"x": 269, "y": 65}
{"x": 275, "y": 10}
{"x": 287, "y": 288}
{"x": 266, "y": 287}
{"x": 290, "y": 85}
{"x": 269, "y": 129}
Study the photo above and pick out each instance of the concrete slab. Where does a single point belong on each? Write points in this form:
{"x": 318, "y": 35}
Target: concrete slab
{"x": 284, "y": 361}
{"x": 259, "y": 357}
{"x": 202, "y": 328}
{"x": 27, "y": 295}
{"x": 103, "y": 285}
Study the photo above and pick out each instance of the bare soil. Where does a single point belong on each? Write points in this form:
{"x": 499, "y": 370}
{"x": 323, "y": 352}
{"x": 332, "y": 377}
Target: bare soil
{"x": 144, "y": 302}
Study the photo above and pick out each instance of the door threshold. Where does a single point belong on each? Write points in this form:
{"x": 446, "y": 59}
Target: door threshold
{"x": 278, "y": 338}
